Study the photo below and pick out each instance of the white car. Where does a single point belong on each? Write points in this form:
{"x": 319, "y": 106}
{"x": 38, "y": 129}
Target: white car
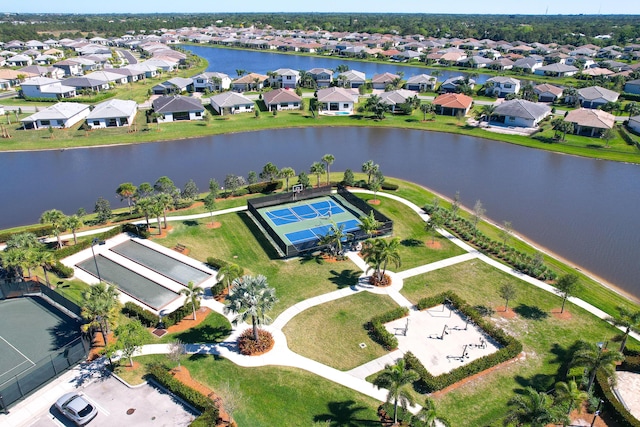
{"x": 76, "y": 408}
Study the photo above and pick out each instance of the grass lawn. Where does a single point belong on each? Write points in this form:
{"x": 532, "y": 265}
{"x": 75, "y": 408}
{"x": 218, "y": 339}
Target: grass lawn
{"x": 240, "y": 241}
{"x": 331, "y": 333}
{"x": 72, "y": 289}
{"x": 410, "y": 229}
{"x": 545, "y": 338}
{"x": 215, "y": 328}
{"x": 274, "y": 396}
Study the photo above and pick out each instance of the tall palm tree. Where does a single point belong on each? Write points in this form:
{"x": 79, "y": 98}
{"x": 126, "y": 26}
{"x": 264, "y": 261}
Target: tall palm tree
{"x": 229, "y": 273}
{"x": 287, "y": 173}
{"x": 594, "y": 358}
{"x": 428, "y": 414}
{"x": 369, "y": 224}
{"x": 127, "y": 191}
{"x": 16, "y": 259}
{"x": 569, "y": 394}
{"x": 380, "y": 252}
{"x": 193, "y": 294}
{"x": 328, "y": 159}
{"x": 370, "y": 169}
{"x": 633, "y": 108}
{"x": 533, "y": 409}
{"x": 335, "y": 237}
{"x": 252, "y": 298}
{"x": 45, "y": 259}
{"x": 22, "y": 240}
{"x": 100, "y": 308}
{"x": 427, "y": 108}
{"x": 488, "y": 110}
{"x": 396, "y": 378}
{"x": 317, "y": 168}
{"x": 165, "y": 201}
{"x": 145, "y": 205}
{"x": 630, "y": 320}
{"x": 73, "y": 223}
{"x": 56, "y": 219}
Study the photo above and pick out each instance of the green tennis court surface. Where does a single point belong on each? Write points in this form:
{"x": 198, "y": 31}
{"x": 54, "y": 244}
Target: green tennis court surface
{"x": 160, "y": 263}
{"x": 31, "y": 330}
{"x": 133, "y": 284}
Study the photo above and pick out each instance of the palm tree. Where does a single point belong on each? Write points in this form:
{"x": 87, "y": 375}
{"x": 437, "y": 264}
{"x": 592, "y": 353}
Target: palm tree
{"x": 44, "y": 259}
{"x": 287, "y": 173}
{"x": 57, "y": 220}
{"x": 427, "y": 415}
{"x": 427, "y": 108}
{"x": 375, "y": 105}
{"x": 229, "y": 273}
{"x": 380, "y": 252}
{"x": 369, "y": 224}
{"x": 22, "y": 241}
{"x": 630, "y": 320}
{"x": 532, "y": 408}
{"x": 594, "y": 358}
{"x": 633, "y": 109}
{"x": 251, "y": 298}
{"x": 396, "y": 378}
{"x": 370, "y": 169}
{"x": 155, "y": 209}
{"x": 568, "y": 393}
{"x": 334, "y": 238}
{"x": 193, "y": 294}
{"x": 145, "y": 205}
{"x": 165, "y": 201}
{"x": 16, "y": 259}
{"x": 328, "y": 159}
{"x": 562, "y": 126}
{"x": 100, "y": 308}
{"x": 73, "y": 223}
{"x": 317, "y": 168}
{"x": 565, "y": 287}
{"x": 126, "y": 190}
{"x": 488, "y": 110}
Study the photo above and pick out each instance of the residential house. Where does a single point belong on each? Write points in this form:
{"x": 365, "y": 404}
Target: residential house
{"x": 502, "y": 86}
{"x": 421, "y": 83}
{"x": 501, "y": 64}
{"x": 520, "y": 113}
{"x": 130, "y": 74}
{"x": 163, "y": 64}
{"x": 452, "y": 104}
{"x": 175, "y": 85}
{"x": 395, "y": 98}
{"x": 632, "y": 86}
{"x": 334, "y": 100}
{"x": 60, "y": 115}
{"x": 475, "y": 61}
{"x": 87, "y": 83}
{"x": 381, "y": 81}
{"x": 284, "y": 78}
{"x": 108, "y": 76}
{"x": 149, "y": 70}
{"x": 557, "y": 70}
{"x": 251, "y": 81}
{"x": 590, "y": 122}
{"x": 634, "y": 124}
{"x": 527, "y": 64}
{"x": 352, "y": 79}
{"x": 282, "y": 99}
{"x": 597, "y": 72}
{"x": 322, "y": 76}
{"x": 12, "y": 78}
{"x": 211, "y": 81}
{"x": 174, "y": 108}
{"x": 19, "y": 61}
{"x": 112, "y": 113}
{"x": 70, "y": 67}
{"x": 51, "y": 72}
{"x": 547, "y": 92}
{"x": 595, "y": 96}
{"x": 453, "y": 84}
{"x": 44, "y": 87}
{"x": 231, "y": 103}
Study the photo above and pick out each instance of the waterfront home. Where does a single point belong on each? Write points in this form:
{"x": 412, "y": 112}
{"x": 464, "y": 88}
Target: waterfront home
{"x": 454, "y": 84}
{"x": 634, "y": 124}
{"x": 44, "y": 87}
{"x": 452, "y": 104}
{"x": 590, "y": 122}
{"x": 502, "y": 86}
{"x": 352, "y": 79}
{"x": 632, "y": 86}
{"x": 251, "y": 81}
{"x": 520, "y": 113}
{"x": 165, "y": 65}
{"x": 172, "y": 86}
{"x": 282, "y": 99}
{"x": 231, "y": 103}
{"x": 596, "y": 96}
{"x": 421, "y": 83}
{"x": 284, "y": 78}
{"x": 547, "y": 92}
{"x": 501, "y": 64}
{"x": 381, "y": 81}
{"x": 149, "y": 70}
{"x": 337, "y": 100}
{"x": 211, "y": 81}
{"x": 60, "y": 115}
{"x": 112, "y": 113}
{"x": 557, "y": 70}
{"x": 528, "y": 64}
{"x": 396, "y": 98}
{"x": 174, "y": 108}
{"x": 322, "y": 76}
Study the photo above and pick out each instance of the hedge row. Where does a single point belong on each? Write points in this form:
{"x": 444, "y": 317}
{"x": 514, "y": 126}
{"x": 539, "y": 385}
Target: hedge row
{"x": 217, "y": 264}
{"x": 510, "y": 346}
{"x": 192, "y": 396}
{"x": 39, "y": 231}
{"x": 631, "y": 364}
{"x": 149, "y": 319}
{"x": 379, "y": 333}
{"x": 86, "y": 244}
{"x": 62, "y": 270}
{"x": 612, "y": 405}
{"x": 630, "y": 96}
{"x": 264, "y": 187}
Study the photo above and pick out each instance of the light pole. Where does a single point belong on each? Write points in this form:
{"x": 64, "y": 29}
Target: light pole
{"x": 595, "y": 415}
{"x": 96, "y": 241}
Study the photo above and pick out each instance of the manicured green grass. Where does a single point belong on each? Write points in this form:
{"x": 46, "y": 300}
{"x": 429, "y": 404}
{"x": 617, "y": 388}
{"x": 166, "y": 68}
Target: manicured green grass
{"x": 215, "y": 328}
{"x": 241, "y": 242}
{"x": 277, "y": 396}
{"x": 416, "y": 244}
{"x": 330, "y": 333}
{"x": 72, "y": 289}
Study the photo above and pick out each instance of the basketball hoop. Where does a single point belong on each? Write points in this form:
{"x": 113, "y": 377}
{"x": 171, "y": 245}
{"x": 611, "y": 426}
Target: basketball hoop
{"x": 296, "y": 189}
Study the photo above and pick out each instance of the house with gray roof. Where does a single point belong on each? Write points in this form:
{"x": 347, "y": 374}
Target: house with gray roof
{"x": 352, "y": 78}
{"x": 112, "y": 113}
{"x": 502, "y": 86}
{"x": 381, "y": 81}
{"x": 284, "y": 78}
{"x": 282, "y": 99}
{"x": 334, "y": 100}
{"x": 211, "y": 81}
{"x": 595, "y": 96}
{"x": 19, "y": 61}
{"x": 60, "y": 115}
{"x": 632, "y": 86}
{"x": 557, "y": 70}
{"x": 131, "y": 74}
{"x": 322, "y": 76}
{"x": 175, "y": 85}
{"x": 87, "y": 83}
{"x": 44, "y": 87}
{"x": 421, "y": 83}
{"x": 527, "y": 64}
{"x": 547, "y": 92}
{"x": 520, "y": 113}
{"x": 395, "y": 98}
{"x": 590, "y": 122}
{"x": 231, "y": 103}
{"x": 453, "y": 84}
{"x": 634, "y": 124}
{"x": 174, "y": 108}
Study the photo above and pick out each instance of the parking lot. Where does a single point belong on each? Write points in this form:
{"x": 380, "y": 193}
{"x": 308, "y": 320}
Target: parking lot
{"x": 119, "y": 405}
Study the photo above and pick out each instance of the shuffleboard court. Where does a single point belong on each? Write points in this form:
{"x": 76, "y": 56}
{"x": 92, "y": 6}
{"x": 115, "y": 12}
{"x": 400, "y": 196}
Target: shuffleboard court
{"x": 137, "y": 286}
{"x": 161, "y": 263}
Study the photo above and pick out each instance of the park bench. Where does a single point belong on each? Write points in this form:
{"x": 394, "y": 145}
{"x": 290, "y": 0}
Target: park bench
{"x": 180, "y": 247}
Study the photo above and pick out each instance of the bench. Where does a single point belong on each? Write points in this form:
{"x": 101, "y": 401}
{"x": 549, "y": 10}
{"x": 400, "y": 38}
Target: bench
{"x": 180, "y": 247}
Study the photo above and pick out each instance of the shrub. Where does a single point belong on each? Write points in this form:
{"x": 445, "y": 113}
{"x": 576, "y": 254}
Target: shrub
{"x": 134, "y": 311}
{"x": 39, "y": 231}
{"x": 379, "y": 333}
{"x": 192, "y": 396}
{"x": 264, "y": 187}
{"x": 241, "y": 192}
{"x": 612, "y": 405}
{"x": 62, "y": 270}
{"x": 216, "y": 263}
{"x": 179, "y": 314}
{"x": 389, "y": 186}
{"x": 249, "y": 347}
{"x": 218, "y": 289}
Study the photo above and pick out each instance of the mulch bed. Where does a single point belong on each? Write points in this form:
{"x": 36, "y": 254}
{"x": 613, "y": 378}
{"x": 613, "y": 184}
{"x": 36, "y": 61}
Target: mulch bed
{"x": 188, "y": 322}
{"x": 374, "y": 202}
{"x": 214, "y": 225}
{"x": 184, "y": 377}
{"x": 433, "y": 244}
{"x": 153, "y": 232}
{"x": 507, "y": 314}
{"x": 566, "y": 315}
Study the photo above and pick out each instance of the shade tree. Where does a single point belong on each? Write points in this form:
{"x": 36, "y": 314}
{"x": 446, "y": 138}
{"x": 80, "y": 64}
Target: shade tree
{"x": 252, "y": 298}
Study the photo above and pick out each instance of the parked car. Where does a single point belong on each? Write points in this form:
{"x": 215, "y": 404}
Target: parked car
{"x": 76, "y": 408}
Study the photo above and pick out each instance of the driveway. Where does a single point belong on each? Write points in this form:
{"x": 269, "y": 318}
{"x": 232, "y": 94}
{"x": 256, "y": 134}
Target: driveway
{"x": 149, "y": 406}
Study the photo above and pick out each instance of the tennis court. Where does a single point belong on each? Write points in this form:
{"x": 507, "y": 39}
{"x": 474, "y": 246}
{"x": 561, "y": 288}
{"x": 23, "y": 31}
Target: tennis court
{"x": 133, "y": 284}
{"x": 30, "y": 331}
{"x": 160, "y": 263}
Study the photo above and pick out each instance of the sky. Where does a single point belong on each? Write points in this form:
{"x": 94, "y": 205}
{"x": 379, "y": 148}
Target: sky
{"x": 534, "y": 7}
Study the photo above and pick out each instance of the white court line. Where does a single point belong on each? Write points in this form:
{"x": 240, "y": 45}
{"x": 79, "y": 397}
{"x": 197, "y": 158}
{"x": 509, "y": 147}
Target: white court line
{"x": 21, "y": 354}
